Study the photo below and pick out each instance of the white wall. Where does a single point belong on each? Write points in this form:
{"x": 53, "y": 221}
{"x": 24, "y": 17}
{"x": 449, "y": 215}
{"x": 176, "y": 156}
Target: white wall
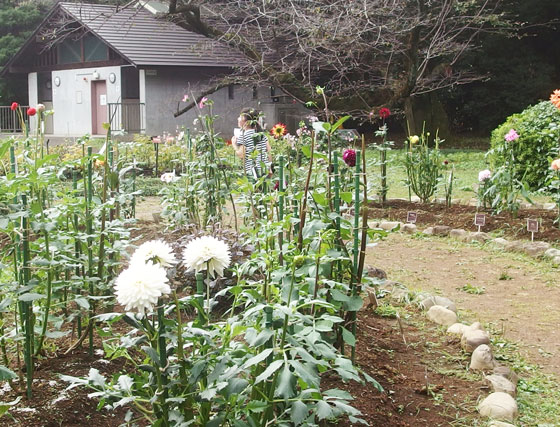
{"x": 72, "y": 99}
{"x": 33, "y": 98}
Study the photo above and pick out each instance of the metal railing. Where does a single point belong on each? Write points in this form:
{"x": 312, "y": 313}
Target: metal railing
{"x": 9, "y": 120}
{"x": 127, "y": 116}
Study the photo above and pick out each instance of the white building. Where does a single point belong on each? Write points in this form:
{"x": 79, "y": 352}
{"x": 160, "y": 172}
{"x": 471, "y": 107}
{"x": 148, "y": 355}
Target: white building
{"x": 132, "y": 68}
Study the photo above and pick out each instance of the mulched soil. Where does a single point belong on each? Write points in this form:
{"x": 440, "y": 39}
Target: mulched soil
{"x": 461, "y": 216}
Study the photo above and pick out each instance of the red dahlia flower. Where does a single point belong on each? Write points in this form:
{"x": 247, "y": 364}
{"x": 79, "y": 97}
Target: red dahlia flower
{"x": 31, "y": 111}
{"x": 14, "y": 106}
{"x": 384, "y": 113}
{"x": 349, "y": 157}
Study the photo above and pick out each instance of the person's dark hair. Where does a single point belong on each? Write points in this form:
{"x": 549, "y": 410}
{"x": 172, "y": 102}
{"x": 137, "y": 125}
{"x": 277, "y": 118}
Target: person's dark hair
{"x": 252, "y": 117}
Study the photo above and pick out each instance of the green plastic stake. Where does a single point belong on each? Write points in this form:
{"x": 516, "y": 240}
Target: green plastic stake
{"x": 336, "y": 191}
{"x": 189, "y": 144}
{"x": 296, "y": 215}
{"x": 17, "y": 251}
{"x": 356, "y": 249}
{"x": 383, "y": 174}
{"x": 89, "y": 228}
{"x": 134, "y": 187}
{"x": 281, "y": 207}
{"x": 156, "y": 147}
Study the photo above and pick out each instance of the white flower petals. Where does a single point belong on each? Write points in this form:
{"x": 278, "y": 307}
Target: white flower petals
{"x": 207, "y": 253}
{"x": 139, "y": 287}
{"x": 155, "y": 251}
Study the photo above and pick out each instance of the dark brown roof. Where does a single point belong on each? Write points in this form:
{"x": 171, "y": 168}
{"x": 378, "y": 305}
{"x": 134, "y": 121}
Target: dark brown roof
{"x": 144, "y": 39}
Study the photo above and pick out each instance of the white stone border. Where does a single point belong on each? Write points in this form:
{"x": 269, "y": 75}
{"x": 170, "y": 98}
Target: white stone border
{"x": 534, "y": 249}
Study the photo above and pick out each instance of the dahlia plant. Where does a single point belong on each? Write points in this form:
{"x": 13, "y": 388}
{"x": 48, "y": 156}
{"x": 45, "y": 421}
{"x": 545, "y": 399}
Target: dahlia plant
{"x": 554, "y": 182}
{"x": 423, "y": 165}
{"x": 484, "y": 184}
{"x": 504, "y": 186}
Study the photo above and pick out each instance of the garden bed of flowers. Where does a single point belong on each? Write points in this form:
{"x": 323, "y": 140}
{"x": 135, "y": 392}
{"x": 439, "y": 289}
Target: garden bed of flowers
{"x": 261, "y": 324}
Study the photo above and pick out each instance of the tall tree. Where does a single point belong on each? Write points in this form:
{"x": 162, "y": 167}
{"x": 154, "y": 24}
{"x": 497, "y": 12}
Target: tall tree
{"x": 18, "y": 19}
{"x": 366, "y": 54}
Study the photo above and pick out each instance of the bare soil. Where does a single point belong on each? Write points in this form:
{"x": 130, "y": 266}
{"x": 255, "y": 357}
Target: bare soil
{"x": 462, "y": 216}
{"x": 520, "y": 295}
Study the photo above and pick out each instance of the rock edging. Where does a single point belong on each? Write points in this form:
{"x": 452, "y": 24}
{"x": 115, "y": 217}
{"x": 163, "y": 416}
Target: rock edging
{"x": 534, "y": 249}
{"x": 500, "y": 405}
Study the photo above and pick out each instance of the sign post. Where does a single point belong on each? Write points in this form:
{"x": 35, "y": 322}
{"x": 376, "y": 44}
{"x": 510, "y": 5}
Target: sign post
{"x": 411, "y": 217}
{"x": 532, "y": 227}
{"x": 480, "y": 220}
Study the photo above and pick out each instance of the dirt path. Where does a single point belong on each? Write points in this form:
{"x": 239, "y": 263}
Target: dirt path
{"x": 521, "y": 297}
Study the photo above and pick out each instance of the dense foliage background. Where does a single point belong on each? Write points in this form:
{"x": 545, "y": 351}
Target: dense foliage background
{"x": 521, "y": 66}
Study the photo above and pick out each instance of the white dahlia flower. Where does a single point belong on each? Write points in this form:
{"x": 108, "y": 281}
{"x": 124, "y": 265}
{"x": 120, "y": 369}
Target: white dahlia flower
{"x": 156, "y": 251}
{"x": 138, "y": 287}
{"x": 207, "y": 252}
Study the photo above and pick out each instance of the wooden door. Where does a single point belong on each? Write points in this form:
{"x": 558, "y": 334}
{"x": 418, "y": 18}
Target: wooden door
{"x": 98, "y": 106}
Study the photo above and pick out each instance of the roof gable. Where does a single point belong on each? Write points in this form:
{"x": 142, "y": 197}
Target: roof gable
{"x": 144, "y": 39}
{"x": 138, "y": 36}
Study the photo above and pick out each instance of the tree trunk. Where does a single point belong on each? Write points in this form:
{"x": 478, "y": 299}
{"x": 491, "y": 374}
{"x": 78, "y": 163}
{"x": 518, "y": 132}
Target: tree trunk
{"x": 426, "y": 112}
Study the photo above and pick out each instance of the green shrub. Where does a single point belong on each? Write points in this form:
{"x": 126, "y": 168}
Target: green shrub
{"x": 539, "y": 132}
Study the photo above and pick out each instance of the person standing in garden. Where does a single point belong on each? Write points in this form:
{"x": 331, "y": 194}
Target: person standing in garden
{"x": 251, "y": 145}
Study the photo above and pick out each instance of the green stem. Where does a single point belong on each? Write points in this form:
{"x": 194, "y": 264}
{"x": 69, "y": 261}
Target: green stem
{"x": 163, "y": 362}
{"x": 77, "y": 249}
{"x": 49, "y": 291}
{"x": 200, "y": 297}
{"x": 26, "y": 306}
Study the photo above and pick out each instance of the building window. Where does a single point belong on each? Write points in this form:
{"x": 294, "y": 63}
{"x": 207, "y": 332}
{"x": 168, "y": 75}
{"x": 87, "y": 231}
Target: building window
{"x": 94, "y": 49}
{"x": 86, "y": 49}
{"x": 70, "y": 51}
{"x": 231, "y": 91}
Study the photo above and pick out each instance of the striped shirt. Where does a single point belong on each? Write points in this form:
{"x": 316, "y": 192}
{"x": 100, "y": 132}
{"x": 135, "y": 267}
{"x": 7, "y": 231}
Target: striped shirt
{"x": 254, "y": 163}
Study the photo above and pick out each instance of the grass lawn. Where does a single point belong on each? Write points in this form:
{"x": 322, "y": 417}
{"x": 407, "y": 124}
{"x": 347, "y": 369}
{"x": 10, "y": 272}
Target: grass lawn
{"x": 465, "y": 162}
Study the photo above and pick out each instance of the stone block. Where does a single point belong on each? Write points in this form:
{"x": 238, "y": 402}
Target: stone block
{"x": 499, "y": 406}
{"x": 442, "y": 315}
